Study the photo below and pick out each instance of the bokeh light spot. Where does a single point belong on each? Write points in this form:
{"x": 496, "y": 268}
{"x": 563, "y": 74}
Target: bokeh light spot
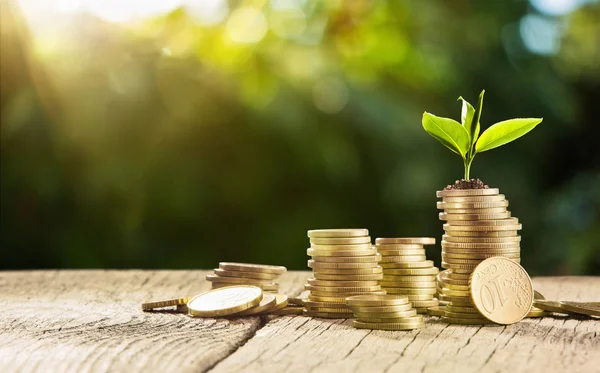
{"x": 330, "y": 95}
{"x": 288, "y": 24}
{"x": 540, "y": 35}
{"x": 247, "y": 25}
{"x": 207, "y": 12}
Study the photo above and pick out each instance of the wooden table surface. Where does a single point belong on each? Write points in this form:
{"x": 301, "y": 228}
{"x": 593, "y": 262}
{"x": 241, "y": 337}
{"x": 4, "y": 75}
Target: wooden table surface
{"x": 90, "y": 321}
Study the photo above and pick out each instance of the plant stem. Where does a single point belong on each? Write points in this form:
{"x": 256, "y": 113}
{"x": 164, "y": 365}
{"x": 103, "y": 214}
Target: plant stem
{"x": 467, "y": 168}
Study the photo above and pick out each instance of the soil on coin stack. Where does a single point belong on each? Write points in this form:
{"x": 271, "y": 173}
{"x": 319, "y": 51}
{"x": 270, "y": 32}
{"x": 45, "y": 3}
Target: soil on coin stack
{"x": 467, "y": 184}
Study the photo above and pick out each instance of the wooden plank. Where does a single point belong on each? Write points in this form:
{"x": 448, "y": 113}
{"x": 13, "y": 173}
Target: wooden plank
{"x": 553, "y": 344}
{"x": 84, "y": 321}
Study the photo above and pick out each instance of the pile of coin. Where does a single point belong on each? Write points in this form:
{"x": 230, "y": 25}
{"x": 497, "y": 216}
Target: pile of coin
{"x": 384, "y": 312}
{"x": 260, "y": 275}
{"x": 407, "y": 271}
{"x": 479, "y": 226}
{"x": 344, "y": 264}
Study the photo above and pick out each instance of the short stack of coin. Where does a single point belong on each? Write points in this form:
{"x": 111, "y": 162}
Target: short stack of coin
{"x": 384, "y": 312}
{"x": 344, "y": 264}
{"x": 479, "y": 226}
{"x": 260, "y": 275}
{"x": 406, "y": 270}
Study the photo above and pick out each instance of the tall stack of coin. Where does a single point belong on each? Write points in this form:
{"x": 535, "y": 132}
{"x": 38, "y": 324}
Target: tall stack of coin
{"x": 407, "y": 271}
{"x": 260, "y": 275}
{"x": 384, "y": 312}
{"x": 479, "y": 226}
{"x": 344, "y": 264}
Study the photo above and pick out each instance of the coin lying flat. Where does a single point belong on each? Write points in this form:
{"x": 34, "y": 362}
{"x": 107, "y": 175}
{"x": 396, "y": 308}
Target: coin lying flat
{"x": 423, "y": 264}
{"x": 482, "y": 228}
{"x": 467, "y": 192}
{"x": 449, "y": 238}
{"x": 549, "y": 305}
{"x": 254, "y": 275}
{"x": 262, "y": 268}
{"x": 347, "y": 259}
{"x": 267, "y": 302}
{"x": 338, "y": 233}
{"x": 583, "y": 308}
{"x": 405, "y": 240}
{"x": 289, "y": 310}
{"x": 225, "y": 301}
{"x": 452, "y": 217}
{"x": 352, "y": 271}
{"x": 425, "y": 303}
{"x": 487, "y": 223}
{"x": 474, "y": 199}
{"x": 484, "y": 234}
{"x": 315, "y": 282}
{"x": 412, "y": 271}
{"x": 501, "y": 290}
{"x": 327, "y": 315}
{"x": 362, "y": 252}
{"x": 481, "y": 321}
{"x": 385, "y": 315}
{"x": 400, "y": 246}
{"x": 471, "y": 205}
{"x": 366, "y": 309}
{"x": 436, "y": 311}
{"x": 483, "y": 211}
{"x": 408, "y": 323}
{"x": 340, "y": 241}
{"x": 343, "y": 277}
{"x": 377, "y": 300}
{"x": 341, "y": 289}
{"x": 318, "y": 265}
{"x": 358, "y": 246}
{"x": 399, "y": 252}
{"x": 537, "y": 312}
{"x": 164, "y": 303}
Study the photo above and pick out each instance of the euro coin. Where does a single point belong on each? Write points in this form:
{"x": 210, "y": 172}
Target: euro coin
{"x": 402, "y": 259}
{"x": 481, "y": 321}
{"x": 473, "y": 253}
{"x": 508, "y": 221}
{"x": 341, "y": 289}
{"x": 408, "y": 323}
{"x": 357, "y": 271}
{"x": 382, "y": 320}
{"x": 365, "y": 309}
{"x": 460, "y": 315}
{"x": 453, "y": 258}
{"x": 459, "y": 309}
{"x": 549, "y": 305}
{"x": 471, "y": 205}
{"x": 474, "y": 245}
{"x": 501, "y": 290}
{"x": 262, "y": 268}
{"x": 318, "y": 265}
{"x": 536, "y": 312}
{"x": 268, "y": 301}
{"x": 475, "y": 199}
{"x": 346, "y": 277}
{"x": 483, "y": 234}
{"x": 164, "y": 303}
{"x": 463, "y": 288}
{"x": 326, "y": 233}
{"x": 459, "y": 267}
{"x": 376, "y": 300}
{"x": 482, "y": 211}
{"x": 456, "y": 293}
{"x": 425, "y": 303}
{"x": 343, "y": 294}
{"x": 405, "y": 240}
{"x": 264, "y": 287}
{"x": 396, "y": 252}
{"x": 457, "y": 301}
{"x": 409, "y": 284}
{"x": 225, "y": 301}
{"x": 449, "y": 238}
{"x": 467, "y": 192}
{"x": 455, "y": 276}
{"x": 297, "y": 301}
{"x": 452, "y": 217}
{"x": 341, "y": 241}
{"x": 360, "y": 246}
{"x": 347, "y": 259}
{"x": 400, "y": 246}
{"x": 323, "y": 315}
{"x": 583, "y": 308}
{"x": 407, "y": 278}
{"x": 412, "y": 271}
{"x": 281, "y": 302}
{"x": 314, "y": 298}
{"x": 385, "y": 315}
{"x": 335, "y": 253}
{"x": 341, "y": 309}
{"x": 436, "y": 311}
{"x": 422, "y": 264}
{"x": 480, "y": 228}
{"x": 313, "y": 281}
{"x": 417, "y": 297}
{"x": 289, "y": 310}
{"x": 538, "y": 295}
{"x": 460, "y": 261}
{"x": 238, "y": 274}
{"x": 411, "y": 291}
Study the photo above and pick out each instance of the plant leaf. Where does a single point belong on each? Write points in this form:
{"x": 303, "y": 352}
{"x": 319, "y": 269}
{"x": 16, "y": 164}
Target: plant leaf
{"x": 505, "y": 132}
{"x": 466, "y": 115}
{"x": 447, "y": 131}
{"x": 475, "y": 127}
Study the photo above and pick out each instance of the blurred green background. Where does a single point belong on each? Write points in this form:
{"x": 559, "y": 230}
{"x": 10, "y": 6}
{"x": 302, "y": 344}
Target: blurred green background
{"x": 181, "y": 133}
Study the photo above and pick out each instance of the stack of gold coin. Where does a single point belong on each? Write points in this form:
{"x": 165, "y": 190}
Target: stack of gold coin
{"x": 384, "y": 312}
{"x": 479, "y": 226}
{"x": 260, "y": 275}
{"x": 344, "y": 264}
{"x": 407, "y": 271}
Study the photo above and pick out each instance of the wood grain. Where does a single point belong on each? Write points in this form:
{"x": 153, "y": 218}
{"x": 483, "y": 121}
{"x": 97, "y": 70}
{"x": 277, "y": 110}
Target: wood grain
{"x": 90, "y": 321}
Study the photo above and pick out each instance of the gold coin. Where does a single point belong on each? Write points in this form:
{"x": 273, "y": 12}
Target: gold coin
{"x": 342, "y": 309}
{"x": 264, "y": 287}
{"x": 457, "y": 301}
{"x": 463, "y": 288}
{"x": 326, "y": 233}
{"x": 381, "y": 320}
{"x": 400, "y": 246}
{"x": 396, "y": 252}
{"x": 341, "y": 289}
{"x": 360, "y": 246}
{"x": 281, "y": 302}
{"x": 467, "y": 192}
{"x": 479, "y": 253}
{"x": 423, "y": 264}
{"x": 482, "y": 211}
{"x": 377, "y": 300}
{"x": 501, "y": 290}
{"x": 182, "y": 308}
{"x": 225, "y": 301}
{"x": 409, "y": 284}
{"x": 297, "y": 301}
{"x": 322, "y": 276}
{"x": 436, "y": 311}
{"x": 313, "y": 281}
{"x": 481, "y": 228}
{"x": 508, "y": 221}
{"x": 461, "y": 309}
{"x": 459, "y": 267}
{"x": 481, "y": 321}
{"x": 457, "y": 258}
{"x": 484, "y": 234}
{"x": 411, "y": 291}
{"x": 475, "y": 199}
{"x": 538, "y": 295}
{"x": 473, "y": 245}
{"x": 425, "y": 303}
{"x": 408, "y": 323}
{"x": 412, "y": 271}
{"x": 324, "y": 315}
{"x": 243, "y": 274}
{"x": 456, "y": 293}
{"x": 336, "y": 253}
{"x": 344, "y": 294}
{"x": 357, "y": 271}
{"x": 407, "y": 278}
{"x": 461, "y": 261}
{"x": 453, "y": 217}
{"x": 289, "y": 310}
{"x": 449, "y": 238}
{"x": 319, "y": 265}
{"x": 455, "y": 276}
{"x": 405, "y": 240}
{"x": 583, "y": 308}
{"x": 417, "y": 297}
{"x": 460, "y": 315}
{"x": 347, "y": 259}
{"x": 165, "y": 303}
{"x": 471, "y": 205}
{"x": 536, "y": 312}
{"x": 267, "y": 302}
{"x": 330, "y": 300}
{"x": 366, "y": 309}
{"x": 402, "y": 259}
{"x": 386, "y": 315}
{"x": 549, "y": 305}
{"x": 240, "y": 280}
{"x": 341, "y": 241}
{"x": 263, "y": 268}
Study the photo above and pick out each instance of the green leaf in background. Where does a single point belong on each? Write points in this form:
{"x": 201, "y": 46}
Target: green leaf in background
{"x": 505, "y": 132}
{"x": 447, "y": 131}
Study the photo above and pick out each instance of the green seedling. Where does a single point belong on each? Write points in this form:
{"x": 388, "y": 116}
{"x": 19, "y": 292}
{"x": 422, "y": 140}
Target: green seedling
{"x": 463, "y": 138}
